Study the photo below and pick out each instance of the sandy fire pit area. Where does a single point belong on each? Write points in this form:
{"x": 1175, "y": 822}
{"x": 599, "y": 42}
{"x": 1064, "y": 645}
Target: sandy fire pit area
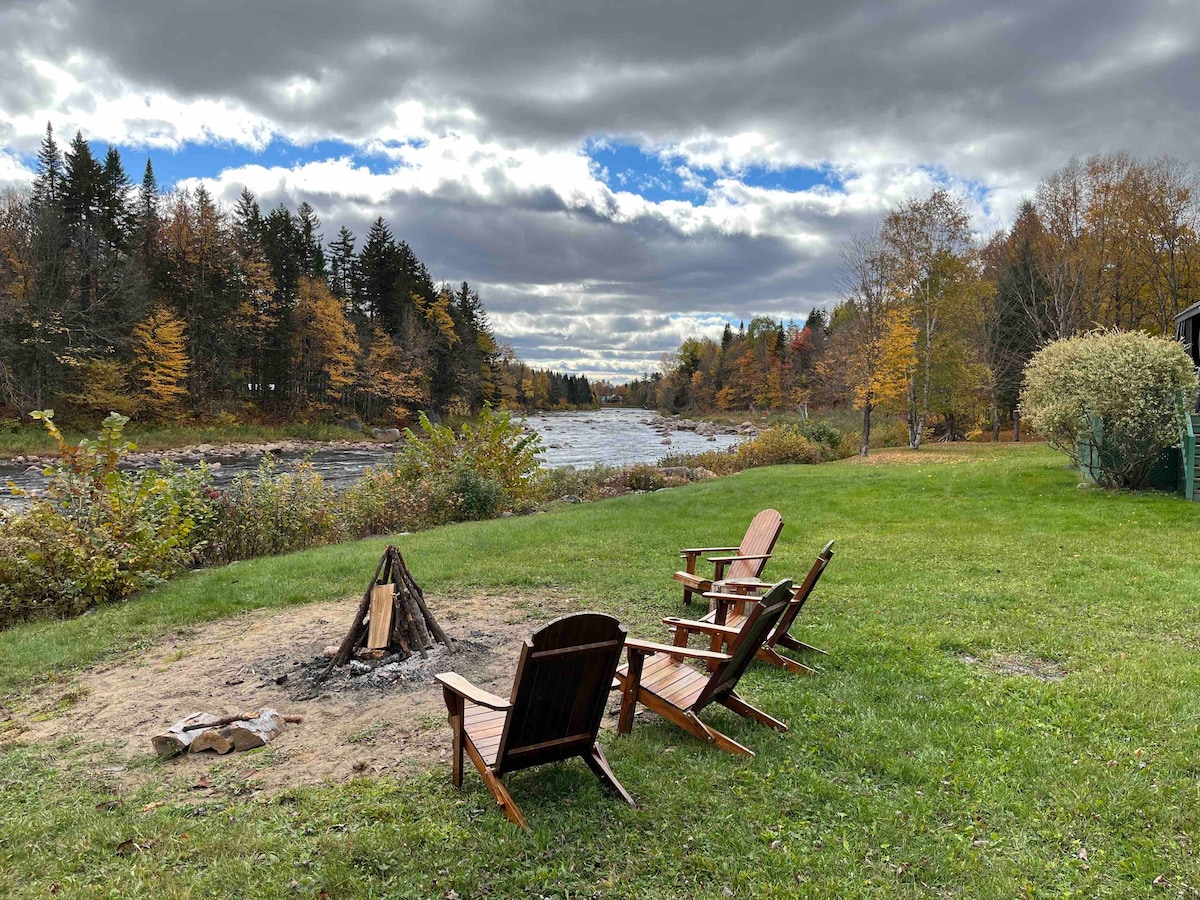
{"x": 353, "y": 725}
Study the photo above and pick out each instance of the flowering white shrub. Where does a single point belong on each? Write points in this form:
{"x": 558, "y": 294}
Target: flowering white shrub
{"x": 1136, "y": 388}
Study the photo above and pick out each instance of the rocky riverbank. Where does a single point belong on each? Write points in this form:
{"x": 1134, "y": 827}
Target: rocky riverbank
{"x": 215, "y": 454}
{"x": 664, "y": 425}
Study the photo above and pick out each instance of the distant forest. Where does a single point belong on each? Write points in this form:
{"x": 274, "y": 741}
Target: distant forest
{"x": 161, "y": 306}
{"x": 935, "y": 323}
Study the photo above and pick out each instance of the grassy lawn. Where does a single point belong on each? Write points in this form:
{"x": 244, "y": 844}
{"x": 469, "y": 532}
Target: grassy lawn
{"x": 920, "y": 762}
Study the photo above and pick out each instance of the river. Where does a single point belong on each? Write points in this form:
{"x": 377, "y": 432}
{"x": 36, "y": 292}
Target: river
{"x": 613, "y": 437}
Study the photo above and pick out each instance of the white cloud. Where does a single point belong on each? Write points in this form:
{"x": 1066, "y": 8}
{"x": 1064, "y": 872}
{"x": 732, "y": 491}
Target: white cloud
{"x": 13, "y": 172}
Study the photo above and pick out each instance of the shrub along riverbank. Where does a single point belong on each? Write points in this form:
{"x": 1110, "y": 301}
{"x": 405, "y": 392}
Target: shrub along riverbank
{"x": 1008, "y": 709}
{"x": 101, "y": 533}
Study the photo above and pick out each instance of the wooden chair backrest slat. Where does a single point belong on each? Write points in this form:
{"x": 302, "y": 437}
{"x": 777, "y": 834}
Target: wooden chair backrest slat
{"x": 801, "y": 595}
{"x": 762, "y": 618}
{"x": 560, "y": 690}
{"x": 759, "y": 540}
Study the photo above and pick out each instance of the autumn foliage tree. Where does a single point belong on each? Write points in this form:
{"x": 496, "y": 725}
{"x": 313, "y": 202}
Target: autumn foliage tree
{"x": 116, "y": 299}
{"x": 160, "y": 363}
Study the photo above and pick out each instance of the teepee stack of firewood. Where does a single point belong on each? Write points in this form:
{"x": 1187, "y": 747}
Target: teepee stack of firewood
{"x": 391, "y": 618}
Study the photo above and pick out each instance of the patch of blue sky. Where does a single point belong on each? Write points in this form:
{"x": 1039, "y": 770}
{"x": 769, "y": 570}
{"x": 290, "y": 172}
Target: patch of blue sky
{"x": 974, "y": 189}
{"x": 793, "y": 179}
{"x": 202, "y": 160}
{"x": 626, "y": 167}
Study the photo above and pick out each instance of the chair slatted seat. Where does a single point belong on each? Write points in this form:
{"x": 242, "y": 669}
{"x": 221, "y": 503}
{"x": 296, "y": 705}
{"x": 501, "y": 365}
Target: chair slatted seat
{"x": 657, "y": 676}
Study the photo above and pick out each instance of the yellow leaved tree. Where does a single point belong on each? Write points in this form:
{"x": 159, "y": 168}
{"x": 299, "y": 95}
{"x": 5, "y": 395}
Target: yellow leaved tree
{"x": 160, "y": 362}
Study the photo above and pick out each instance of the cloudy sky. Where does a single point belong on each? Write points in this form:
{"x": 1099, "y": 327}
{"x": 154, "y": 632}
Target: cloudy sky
{"x": 612, "y": 176}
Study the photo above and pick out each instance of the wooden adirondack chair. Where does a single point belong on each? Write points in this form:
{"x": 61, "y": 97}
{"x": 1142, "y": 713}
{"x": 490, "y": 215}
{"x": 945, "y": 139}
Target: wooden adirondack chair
{"x": 677, "y": 692}
{"x": 731, "y": 606}
{"x": 558, "y": 697}
{"x": 750, "y": 559}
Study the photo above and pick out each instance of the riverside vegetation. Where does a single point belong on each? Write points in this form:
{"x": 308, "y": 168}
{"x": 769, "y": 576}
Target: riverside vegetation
{"x": 1007, "y": 710}
{"x": 101, "y": 533}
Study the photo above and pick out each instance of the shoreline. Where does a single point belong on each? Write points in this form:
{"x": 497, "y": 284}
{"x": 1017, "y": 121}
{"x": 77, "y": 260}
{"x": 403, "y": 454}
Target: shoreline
{"x": 197, "y": 453}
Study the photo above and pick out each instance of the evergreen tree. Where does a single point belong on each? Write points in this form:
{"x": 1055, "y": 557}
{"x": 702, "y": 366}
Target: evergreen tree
{"x": 343, "y": 267}
{"x": 47, "y": 186}
{"x": 116, "y": 217}
{"x": 312, "y": 255}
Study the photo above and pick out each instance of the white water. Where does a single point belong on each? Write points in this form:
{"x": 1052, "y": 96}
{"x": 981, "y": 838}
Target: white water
{"x": 613, "y": 437}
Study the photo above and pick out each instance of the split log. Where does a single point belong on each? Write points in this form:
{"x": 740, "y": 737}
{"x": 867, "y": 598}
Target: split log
{"x": 179, "y": 737}
{"x": 382, "y": 598}
{"x": 255, "y": 732}
{"x": 347, "y": 646}
{"x": 242, "y": 733}
{"x": 218, "y": 739}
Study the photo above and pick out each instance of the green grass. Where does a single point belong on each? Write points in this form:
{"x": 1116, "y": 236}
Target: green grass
{"x": 25, "y": 440}
{"x": 908, "y": 771}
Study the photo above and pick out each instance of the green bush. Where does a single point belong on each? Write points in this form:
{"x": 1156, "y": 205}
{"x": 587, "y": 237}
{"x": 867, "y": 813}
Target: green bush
{"x": 777, "y": 445}
{"x": 1136, "y": 386}
{"x": 98, "y": 534}
{"x": 382, "y": 502}
{"x": 591, "y": 483}
{"x": 271, "y": 512}
{"x": 487, "y": 466}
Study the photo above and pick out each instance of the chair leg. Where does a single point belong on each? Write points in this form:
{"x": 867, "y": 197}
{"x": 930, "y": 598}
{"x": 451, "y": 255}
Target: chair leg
{"x": 500, "y": 792}
{"x": 792, "y": 644}
{"x": 457, "y": 753}
{"x": 690, "y": 722}
{"x": 631, "y": 684}
{"x": 597, "y": 762}
{"x": 742, "y": 708}
{"x": 495, "y": 785}
{"x": 777, "y": 659}
{"x": 454, "y": 707}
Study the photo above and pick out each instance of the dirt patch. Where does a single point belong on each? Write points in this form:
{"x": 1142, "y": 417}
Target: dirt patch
{"x": 103, "y": 720}
{"x": 1017, "y": 664}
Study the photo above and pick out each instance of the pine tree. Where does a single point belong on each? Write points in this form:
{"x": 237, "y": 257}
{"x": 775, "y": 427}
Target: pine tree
{"x": 343, "y": 265}
{"x": 80, "y": 189}
{"x": 312, "y": 256}
{"x": 47, "y": 186}
{"x": 146, "y": 213}
{"x": 116, "y": 217}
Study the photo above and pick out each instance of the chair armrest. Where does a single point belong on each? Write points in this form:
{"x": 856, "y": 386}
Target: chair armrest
{"x": 705, "y": 627}
{"x": 723, "y": 597}
{"x": 729, "y": 559}
{"x": 746, "y": 584}
{"x": 696, "y": 551}
{"x": 455, "y": 683}
{"x": 649, "y": 647}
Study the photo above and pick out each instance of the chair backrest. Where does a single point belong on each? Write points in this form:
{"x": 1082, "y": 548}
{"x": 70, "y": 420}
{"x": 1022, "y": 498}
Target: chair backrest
{"x": 759, "y": 540}
{"x": 800, "y": 596}
{"x": 762, "y": 618}
{"x": 560, "y": 690}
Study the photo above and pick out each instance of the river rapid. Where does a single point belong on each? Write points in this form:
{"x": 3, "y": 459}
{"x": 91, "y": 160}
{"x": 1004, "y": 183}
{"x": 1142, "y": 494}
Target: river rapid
{"x": 611, "y": 437}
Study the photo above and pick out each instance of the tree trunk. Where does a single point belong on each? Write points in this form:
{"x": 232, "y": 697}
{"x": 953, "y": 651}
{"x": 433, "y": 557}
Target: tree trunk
{"x": 1016, "y": 427}
{"x": 916, "y": 431}
{"x": 866, "y": 435}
